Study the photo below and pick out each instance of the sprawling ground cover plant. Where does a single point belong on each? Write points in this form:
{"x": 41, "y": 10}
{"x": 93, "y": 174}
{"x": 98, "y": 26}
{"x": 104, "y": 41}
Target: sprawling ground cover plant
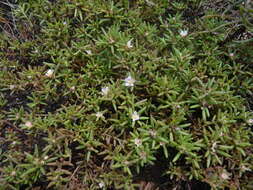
{"x": 98, "y": 94}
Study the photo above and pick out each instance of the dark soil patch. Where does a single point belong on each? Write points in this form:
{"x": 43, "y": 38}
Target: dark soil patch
{"x": 154, "y": 173}
{"x": 16, "y": 100}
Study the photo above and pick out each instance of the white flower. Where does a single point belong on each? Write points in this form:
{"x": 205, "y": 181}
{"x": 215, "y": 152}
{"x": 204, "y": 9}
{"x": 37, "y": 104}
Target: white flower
{"x": 28, "y": 124}
{"x": 183, "y": 33}
{"x": 129, "y": 44}
{"x": 178, "y": 106}
{"x": 135, "y": 116}
{"x": 12, "y": 87}
{"x": 72, "y": 88}
{"x": 64, "y": 22}
{"x": 250, "y": 121}
{"x": 129, "y": 81}
{"x": 153, "y": 133}
{"x": 231, "y": 54}
{"x": 177, "y": 128}
{"x": 13, "y": 173}
{"x": 101, "y": 184}
{"x": 88, "y": 52}
{"x": 105, "y": 91}
{"x": 49, "y": 73}
{"x": 99, "y": 115}
{"x": 225, "y": 175}
{"x": 42, "y": 162}
{"x": 46, "y": 157}
{"x": 137, "y": 142}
